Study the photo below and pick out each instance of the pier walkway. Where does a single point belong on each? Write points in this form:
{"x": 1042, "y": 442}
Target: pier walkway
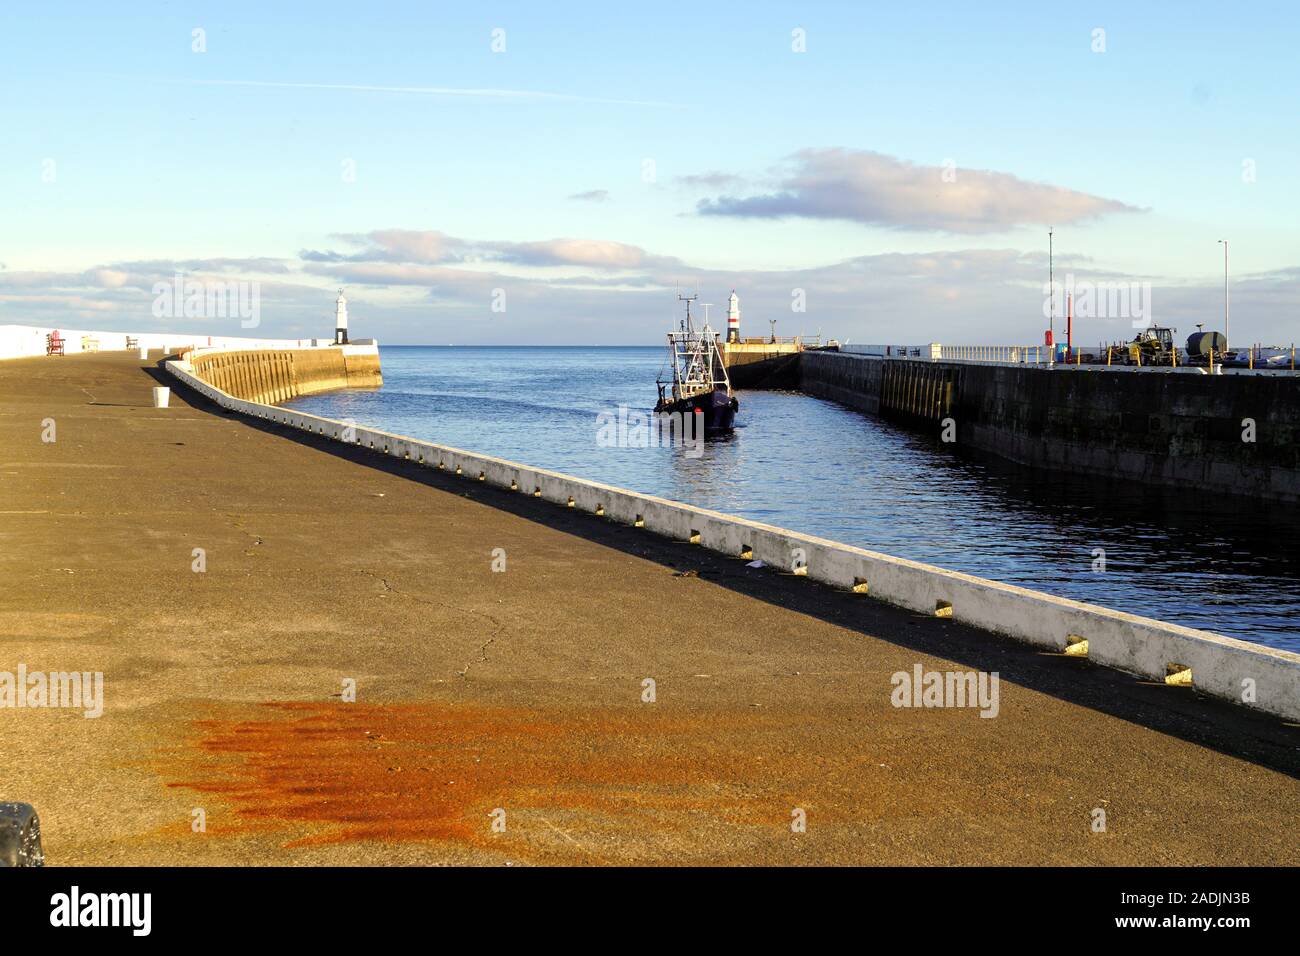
{"x": 509, "y": 715}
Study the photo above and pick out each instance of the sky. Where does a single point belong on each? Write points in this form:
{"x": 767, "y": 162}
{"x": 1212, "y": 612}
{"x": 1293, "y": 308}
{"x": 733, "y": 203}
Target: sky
{"x": 522, "y": 173}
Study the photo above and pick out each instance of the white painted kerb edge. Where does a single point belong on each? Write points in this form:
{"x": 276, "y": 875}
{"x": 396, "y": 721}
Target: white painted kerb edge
{"x": 1221, "y": 666}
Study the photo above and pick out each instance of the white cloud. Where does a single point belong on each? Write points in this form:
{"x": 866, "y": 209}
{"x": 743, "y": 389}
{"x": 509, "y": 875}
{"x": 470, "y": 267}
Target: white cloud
{"x": 433, "y": 248}
{"x": 875, "y": 189}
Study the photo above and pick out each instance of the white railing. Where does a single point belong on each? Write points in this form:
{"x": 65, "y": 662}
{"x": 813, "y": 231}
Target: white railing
{"x": 1014, "y": 354}
{"x": 22, "y": 341}
{"x": 1220, "y": 666}
{"x": 935, "y": 352}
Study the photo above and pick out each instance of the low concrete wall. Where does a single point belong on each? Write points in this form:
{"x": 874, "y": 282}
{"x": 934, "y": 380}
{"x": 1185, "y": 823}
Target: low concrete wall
{"x": 1221, "y": 666}
{"x": 275, "y": 375}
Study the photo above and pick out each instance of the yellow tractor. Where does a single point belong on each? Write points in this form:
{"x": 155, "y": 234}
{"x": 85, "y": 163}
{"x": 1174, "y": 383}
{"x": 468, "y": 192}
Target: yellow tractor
{"x": 1152, "y": 346}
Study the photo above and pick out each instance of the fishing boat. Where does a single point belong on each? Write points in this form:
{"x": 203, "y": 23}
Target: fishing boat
{"x": 700, "y": 385}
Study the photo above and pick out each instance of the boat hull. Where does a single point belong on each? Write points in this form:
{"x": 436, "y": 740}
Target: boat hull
{"x": 716, "y": 408}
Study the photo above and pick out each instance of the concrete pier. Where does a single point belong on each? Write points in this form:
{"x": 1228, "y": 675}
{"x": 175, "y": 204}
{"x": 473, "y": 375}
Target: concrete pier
{"x": 519, "y": 695}
{"x": 1216, "y": 434}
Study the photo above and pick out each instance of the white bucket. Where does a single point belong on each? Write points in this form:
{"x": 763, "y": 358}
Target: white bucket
{"x": 144, "y": 354}
{"x": 161, "y": 395}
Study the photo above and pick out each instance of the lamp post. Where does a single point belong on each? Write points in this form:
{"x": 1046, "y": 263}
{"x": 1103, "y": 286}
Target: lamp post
{"x": 1226, "y": 337}
{"x": 1051, "y": 311}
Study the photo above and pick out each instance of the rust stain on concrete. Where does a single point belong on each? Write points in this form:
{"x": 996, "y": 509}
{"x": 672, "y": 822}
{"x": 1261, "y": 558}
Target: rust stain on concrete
{"x": 436, "y": 771}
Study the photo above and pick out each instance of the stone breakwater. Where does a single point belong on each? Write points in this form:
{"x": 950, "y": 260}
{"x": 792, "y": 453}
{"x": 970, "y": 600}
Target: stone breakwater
{"x": 270, "y": 376}
{"x": 1235, "y": 434}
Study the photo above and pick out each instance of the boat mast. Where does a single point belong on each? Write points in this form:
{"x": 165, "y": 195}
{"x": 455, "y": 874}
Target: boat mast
{"x": 688, "y": 299}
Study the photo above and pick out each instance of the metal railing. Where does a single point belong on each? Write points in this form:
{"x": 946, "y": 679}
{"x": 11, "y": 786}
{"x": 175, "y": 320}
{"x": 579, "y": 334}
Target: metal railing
{"x": 1015, "y": 354}
{"x": 935, "y": 352}
{"x": 811, "y": 341}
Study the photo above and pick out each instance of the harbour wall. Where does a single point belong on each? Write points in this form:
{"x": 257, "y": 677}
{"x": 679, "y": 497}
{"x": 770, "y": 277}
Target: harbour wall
{"x": 1235, "y": 434}
{"x": 1216, "y": 665}
{"x": 276, "y": 375}
{"x": 750, "y": 351}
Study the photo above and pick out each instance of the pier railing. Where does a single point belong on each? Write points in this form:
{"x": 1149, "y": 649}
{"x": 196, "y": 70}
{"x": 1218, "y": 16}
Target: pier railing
{"x": 936, "y": 352}
{"x": 809, "y": 341}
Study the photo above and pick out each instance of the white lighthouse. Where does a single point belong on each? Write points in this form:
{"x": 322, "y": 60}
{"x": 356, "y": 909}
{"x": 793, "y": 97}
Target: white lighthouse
{"x": 341, "y": 320}
{"x": 733, "y": 318}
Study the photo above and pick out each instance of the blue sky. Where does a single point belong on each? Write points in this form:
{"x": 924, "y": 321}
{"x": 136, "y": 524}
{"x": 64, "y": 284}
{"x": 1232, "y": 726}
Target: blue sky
{"x": 163, "y": 156}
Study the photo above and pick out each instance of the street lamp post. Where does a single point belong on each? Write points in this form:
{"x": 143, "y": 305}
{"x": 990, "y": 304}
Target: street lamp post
{"x": 1051, "y": 309}
{"x": 1227, "y": 339}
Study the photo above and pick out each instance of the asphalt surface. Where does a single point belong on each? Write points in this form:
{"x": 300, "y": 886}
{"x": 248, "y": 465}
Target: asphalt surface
{"x": 500, "y": 716}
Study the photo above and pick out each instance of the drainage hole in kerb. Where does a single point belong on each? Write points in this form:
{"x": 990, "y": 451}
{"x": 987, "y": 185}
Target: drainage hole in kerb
{"x": 859, "y": 585}
{"x": 1178, "y": 675}
{"x": 482, "y": 476}
{"x": 639, "y": 521}
{"x": 600, "y": 511}
{"x": 537, "y": 491}
{"x": 571, "y": 501}
{"x": 458, "y": 471}
{"x": 1076, "y": 646}
{"x": 943, "y": 609}
{"x": 746, "y": 553}
{"x": 514, "y": 485}
{"x": 695, "y": 536}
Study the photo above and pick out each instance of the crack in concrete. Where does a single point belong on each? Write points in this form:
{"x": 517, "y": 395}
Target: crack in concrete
{"x": 237, "y": 523}
{"x": 464, "y": 672}
{"x": 498, "y": 627}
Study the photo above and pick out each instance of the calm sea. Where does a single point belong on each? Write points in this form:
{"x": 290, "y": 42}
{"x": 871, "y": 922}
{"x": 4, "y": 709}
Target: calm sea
{"x": 814, "y": 466}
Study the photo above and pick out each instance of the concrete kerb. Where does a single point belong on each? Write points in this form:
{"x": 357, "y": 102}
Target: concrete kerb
{"x": 1263, "y": 678}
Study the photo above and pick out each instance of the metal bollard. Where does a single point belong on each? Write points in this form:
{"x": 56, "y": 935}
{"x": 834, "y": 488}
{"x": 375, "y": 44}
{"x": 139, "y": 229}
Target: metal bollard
{"x": 20, "y": 836}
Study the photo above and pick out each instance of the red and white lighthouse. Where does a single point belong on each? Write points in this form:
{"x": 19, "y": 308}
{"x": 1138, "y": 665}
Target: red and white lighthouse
{"x": 733, "y": 318}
